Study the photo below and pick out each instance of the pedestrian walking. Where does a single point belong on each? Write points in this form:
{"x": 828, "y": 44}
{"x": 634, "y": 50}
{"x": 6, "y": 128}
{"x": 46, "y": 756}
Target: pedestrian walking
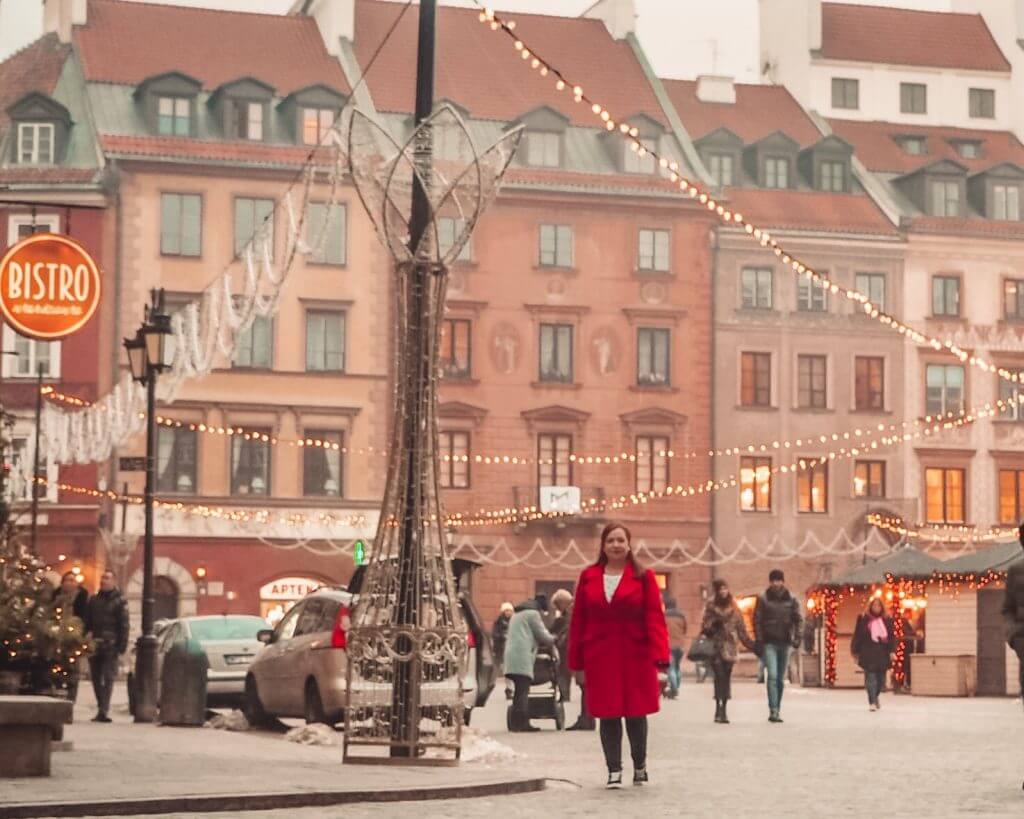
{"x": 777, "y": 628}
{"x": 526, "y": 632}
{"x": 618, "y": 638}
{"x": 873, "y": 644}
{"x": 723, "y": 624}
{"x": 499, "y": 633}
{"x": 107, "y": 622}
{"x": 71, "y": 603}
{"x": 561, "y": 603}
{"x": 676, "y": 622}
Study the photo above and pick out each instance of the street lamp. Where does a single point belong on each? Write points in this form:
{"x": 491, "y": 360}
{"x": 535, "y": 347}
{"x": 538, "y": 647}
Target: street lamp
{"x": 148, "y": 354}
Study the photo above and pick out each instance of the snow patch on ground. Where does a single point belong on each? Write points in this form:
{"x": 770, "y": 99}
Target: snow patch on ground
{"x": 233, "y": 721}
{"x": 483, "y": 749}
{"x": 316, "y": 734}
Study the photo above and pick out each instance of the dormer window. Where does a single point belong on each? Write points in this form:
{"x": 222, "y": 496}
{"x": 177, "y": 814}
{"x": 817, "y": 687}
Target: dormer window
{"x": 174, "y": 116}
{"x": 544, "y": 149}
{"x": 35, "y": 143}
{"x": 833, "y": 176}
{"x": 1006, "y": 201}
{"x": 633, "y": 162}
{"x": 248, "y": 120}
{"x": 913, "y": 145}
{"x": 241, "y": 106}
{"x": 776, "y": 172}
{"x": 945, "y": 197}
{"x": 316, "y": 122}
{"x": 721, "y": 168}
{"x": 968, "y": 149}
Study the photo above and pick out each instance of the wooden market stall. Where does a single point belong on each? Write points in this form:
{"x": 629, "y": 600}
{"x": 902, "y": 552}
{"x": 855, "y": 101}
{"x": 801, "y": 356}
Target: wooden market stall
{"x": 841, "y": 600}
{"x": 965, "y": 620}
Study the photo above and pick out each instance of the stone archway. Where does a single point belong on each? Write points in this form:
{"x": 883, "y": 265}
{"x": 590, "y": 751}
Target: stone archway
{"x": 181, "y": 577}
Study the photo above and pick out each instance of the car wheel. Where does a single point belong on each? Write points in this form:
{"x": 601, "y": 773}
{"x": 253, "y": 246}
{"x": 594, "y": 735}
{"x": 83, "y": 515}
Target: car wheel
{"x": 314, "y": 708}
{"x": 559, "y": 716}
{"x": 252, "y": 707}
{"x": 466, "y": 714}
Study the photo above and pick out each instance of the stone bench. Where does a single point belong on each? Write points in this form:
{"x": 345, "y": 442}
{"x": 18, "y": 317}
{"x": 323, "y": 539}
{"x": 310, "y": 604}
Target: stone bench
{"x": 27, "y": 727}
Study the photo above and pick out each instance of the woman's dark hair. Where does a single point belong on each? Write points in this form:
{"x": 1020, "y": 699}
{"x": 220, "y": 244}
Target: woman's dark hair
{"x": 66, "y": 575}
{"x": 602, "y": 558}
{"x": 717, "y": 585}
{"x": 881, "y": 605}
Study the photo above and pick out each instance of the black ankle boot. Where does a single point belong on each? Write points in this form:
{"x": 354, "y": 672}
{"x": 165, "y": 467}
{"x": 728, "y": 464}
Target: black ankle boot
{"x": 718, "y": 710}
{"x": 725, "y": 716}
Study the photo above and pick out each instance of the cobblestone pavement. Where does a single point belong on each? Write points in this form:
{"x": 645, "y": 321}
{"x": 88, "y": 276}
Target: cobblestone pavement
{"x": 916, "y": 757}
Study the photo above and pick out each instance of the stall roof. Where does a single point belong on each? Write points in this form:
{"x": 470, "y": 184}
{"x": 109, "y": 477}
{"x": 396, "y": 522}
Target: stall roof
{"x": 906, "y": 562}
{"x": 995, "y": 558}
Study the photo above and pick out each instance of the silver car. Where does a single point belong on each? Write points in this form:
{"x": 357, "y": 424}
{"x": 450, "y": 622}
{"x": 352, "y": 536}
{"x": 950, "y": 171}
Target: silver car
{"x": 230, "y": 644}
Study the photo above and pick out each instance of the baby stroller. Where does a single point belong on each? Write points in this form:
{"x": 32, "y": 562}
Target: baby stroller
{"x": 545, "y": 700}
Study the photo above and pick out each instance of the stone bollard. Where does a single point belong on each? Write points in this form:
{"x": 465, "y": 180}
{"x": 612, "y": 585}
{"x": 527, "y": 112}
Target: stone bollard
{"x": 183, "y": 685}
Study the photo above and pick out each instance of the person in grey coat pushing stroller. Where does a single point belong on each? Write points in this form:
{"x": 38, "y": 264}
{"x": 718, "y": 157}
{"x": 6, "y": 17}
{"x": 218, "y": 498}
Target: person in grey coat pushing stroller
{"x": 526, "y": 633}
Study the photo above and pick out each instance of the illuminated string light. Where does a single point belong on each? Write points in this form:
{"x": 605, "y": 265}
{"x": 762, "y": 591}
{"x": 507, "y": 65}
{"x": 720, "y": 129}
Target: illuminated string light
{"x": 760, "y": 235}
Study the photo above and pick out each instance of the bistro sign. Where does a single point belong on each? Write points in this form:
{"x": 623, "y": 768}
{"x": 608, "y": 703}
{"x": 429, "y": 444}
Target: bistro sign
{"x": 49, "y": 286}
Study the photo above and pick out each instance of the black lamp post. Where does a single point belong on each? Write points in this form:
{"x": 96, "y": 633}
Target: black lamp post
{"x": 148, "y": 357}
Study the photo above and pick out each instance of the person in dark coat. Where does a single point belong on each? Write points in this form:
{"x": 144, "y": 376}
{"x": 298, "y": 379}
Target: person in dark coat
{"x": 619, "y": 640}
{"x": 106, "y": 621}
{"x": 526, "y": 633}
{"x": 561, "y": 604}
{"x": 676, "y": 622}
{"x": 723, "y": 624}
{"x": 499, "y": 633}
{"x": 72, "y": 600}
{"x": 777, "y": 625}
{"x": 873, "y": 644}
{"x": 1013, "y": 609}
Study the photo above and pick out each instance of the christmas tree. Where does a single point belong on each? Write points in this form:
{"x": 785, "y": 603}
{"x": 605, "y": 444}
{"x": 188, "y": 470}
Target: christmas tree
{"x": 35, "y": 635}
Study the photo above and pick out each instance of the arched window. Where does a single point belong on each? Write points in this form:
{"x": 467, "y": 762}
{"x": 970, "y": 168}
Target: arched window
{"x": 166, "y": 598}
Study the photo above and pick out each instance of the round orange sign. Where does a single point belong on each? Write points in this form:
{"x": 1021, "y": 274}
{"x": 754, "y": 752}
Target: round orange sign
{"x": 49, "y": 286}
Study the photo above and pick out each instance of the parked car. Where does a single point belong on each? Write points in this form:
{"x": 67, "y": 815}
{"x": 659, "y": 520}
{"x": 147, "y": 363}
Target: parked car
{"x": 230, "y": 644}
{"x": 302, "y": 671}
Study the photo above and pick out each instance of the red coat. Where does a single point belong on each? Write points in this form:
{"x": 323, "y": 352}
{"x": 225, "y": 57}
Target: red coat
{"x": 619, "y": 644}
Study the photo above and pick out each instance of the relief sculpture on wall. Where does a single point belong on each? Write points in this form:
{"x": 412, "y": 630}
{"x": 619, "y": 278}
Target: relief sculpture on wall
{"x": 605, "y": 351}
{"x": 505, "y": 346}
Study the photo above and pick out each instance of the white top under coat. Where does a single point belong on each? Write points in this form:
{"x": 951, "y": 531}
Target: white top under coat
{"x": 611, "y": 583}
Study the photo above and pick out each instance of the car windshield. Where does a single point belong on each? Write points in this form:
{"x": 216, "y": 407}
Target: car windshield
{"x": 227, "y": 628}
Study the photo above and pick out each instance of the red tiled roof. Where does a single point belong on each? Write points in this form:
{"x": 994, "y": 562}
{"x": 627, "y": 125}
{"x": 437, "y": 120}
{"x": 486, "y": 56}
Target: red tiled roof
{"x": 641, "y": 183}
{"x": 52, "y": 174}
{"x": 36, "y": 67}
{"x": 482, "y": 72}
{"x": 759, "y": 110}
{"x": 810, "y": 210}
{"x": 256, "y": 153}
{"x": 941, "y": 39}
{"x": 978, "y": 228}
{"x": 127, "y": 42}
{"x": 874, "y": 143}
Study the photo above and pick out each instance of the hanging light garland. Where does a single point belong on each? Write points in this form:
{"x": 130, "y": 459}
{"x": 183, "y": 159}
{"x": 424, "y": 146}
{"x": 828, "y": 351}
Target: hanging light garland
{"x": 943, "y": 533}
{"x": 631, "y": 134}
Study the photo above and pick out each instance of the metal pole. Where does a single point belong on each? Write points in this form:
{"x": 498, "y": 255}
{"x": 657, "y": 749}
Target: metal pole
{"x": 145, "y": 665}
{"x": 35, "y": 460}
{"x": 405, "y": 716}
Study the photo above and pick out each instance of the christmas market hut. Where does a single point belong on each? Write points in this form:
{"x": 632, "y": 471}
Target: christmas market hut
{"x": 839, "y": 601}
{"x": 965, "y": 618}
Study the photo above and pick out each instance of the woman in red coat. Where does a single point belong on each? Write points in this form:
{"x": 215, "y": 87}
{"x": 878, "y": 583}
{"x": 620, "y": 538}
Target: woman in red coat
{"x": 619, "y": 639}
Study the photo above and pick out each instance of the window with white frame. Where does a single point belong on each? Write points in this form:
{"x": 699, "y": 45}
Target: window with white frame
{"x": 652, "y": 454}
{"x": 1006, "y": 202}
{"x": 316, "y": 122}
{"x": 544, "y": 149}
{"x": 634, "y": 162}
{"x": 811, "y": 296}
{"x": 174, "y": 116}
{"x": 721, "y": 168}
{"x": 326, "y": 229}
{"x": 31, "y": 356}
{"x": 872, "y": 285}
{"x": 776, "y": 172}
{"x": 35, "y": 143}
{"x": 653, "y": 253}
{"x": 22, "y": 463}
{"x": 322, "y": 463}
{"x": 555, "y": 246}
{"x": 448, "y": 230}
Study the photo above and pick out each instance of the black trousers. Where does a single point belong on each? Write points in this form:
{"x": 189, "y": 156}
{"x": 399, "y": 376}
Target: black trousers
{"x": 520, "y": 700}
{"x": 103, "y": 669}
{"x": 722, "y": 671}
{"x": 611, "y": 741}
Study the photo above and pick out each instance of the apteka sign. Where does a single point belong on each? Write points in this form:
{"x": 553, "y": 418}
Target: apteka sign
{"x": 49, "y": 286}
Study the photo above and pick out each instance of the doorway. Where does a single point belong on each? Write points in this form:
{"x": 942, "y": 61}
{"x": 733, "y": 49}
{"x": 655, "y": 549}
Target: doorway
{"x": 165, "y": 603}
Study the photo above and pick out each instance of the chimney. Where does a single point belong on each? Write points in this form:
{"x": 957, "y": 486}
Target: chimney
{"x": 336, "y": 19}
{"x": 60, "y": 15}
{"x": 712, "y": 88}
{"x": 618, "y": 16}
{"x": 814, "y": 24}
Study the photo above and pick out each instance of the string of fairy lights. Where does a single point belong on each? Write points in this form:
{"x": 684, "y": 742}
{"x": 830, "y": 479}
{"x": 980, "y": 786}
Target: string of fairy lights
{"x": 694, "y": 190}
